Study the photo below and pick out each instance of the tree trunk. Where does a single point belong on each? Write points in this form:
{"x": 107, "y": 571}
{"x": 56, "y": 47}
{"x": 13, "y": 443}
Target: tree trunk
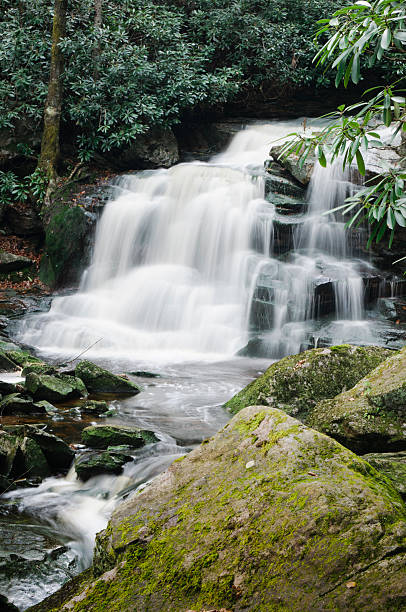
{"x": 98, "y": 19}
{"x": 50, "y": 151}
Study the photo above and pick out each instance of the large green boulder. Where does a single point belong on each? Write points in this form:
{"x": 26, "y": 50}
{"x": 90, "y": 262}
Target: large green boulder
{"x": 370, "y": 417}
{"x": 393, "y": 465}
{"x": 6, "y": 364}
{"x": 266, "y": 515}
{"x": 54, "y": 389}
{"x": 23, "y": 358}
{"x": 99, "y": 380}
{"x": 102, "y": 436}
{"x": 296, "y": 383}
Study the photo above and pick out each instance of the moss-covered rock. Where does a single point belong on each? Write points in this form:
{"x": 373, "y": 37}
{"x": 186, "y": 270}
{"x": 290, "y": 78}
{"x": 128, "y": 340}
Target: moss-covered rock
{"x": 370, "y": 417}
{"x": 23, "y": 358}
{"x": 39, "y": 368}
{"x": 65, "y": 242}
{"x": 296, "y": 383}
{"x": 54, "y": 389}
{"x": 6, "y": 364}
{"x": 103, "y": 436}
{"x": 266, "y": 515}
{"x": 17, "y": 404}
{"x": 99, "y": 380}
{"x": 94, "y": 407}
{"x": 92, "y": 464}
{"x": 58, "y": 453}
{"x": 393, "y": 465}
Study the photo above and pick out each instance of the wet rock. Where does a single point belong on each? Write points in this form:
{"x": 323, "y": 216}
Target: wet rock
{"x": 58, "y": 454}
{"x": 49, "y": 408}
{"x": 8, "y": 450}
{"x": 290, "y": 532}
{"x": 93, "y": 464}
{"x": 54, "y": 389}
{"x": 94, "y": 407}
{"x": 143, "y": 374}
{"x": 296, "y": 383}
{"x": 23, "y": 358}
{"x": 393, "y": 465}
{"x": 18, "y": 404}
{"x": 393, "y": 309}
{"x": 103, "y": 436}
{"x": 13, "y": 263}
{"x": 282, "y": 185}
{"x": 7, "y": 388}
{"x": 370, "y": 417}
{"x": 31, "y": 460}
{"x": 39, "y": 368}
{"x": 291, "y": 163}
{"x": 99, "y": 380}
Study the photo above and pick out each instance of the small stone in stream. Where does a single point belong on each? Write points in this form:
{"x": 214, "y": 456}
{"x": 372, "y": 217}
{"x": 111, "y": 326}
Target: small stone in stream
{"x": 143, "y": 374}
{"x": 92, "y": 464}
{"x": 49, "y": 408}
{"x": 103, "y": 436}
{"x": 99, "y": 380}
{"x": 17, "y": 404}
{"x": 54, "y": 389}
{"x": 94, "y": 407}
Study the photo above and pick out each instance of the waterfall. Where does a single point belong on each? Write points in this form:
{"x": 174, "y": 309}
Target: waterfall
{"x": 183, "y": 261}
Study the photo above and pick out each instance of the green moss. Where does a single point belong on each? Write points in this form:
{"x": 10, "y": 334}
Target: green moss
{"x": 296, "y": 383}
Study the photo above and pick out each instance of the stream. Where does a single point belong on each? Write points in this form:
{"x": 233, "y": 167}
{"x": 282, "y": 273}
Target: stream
{"x": 184, "y": 279}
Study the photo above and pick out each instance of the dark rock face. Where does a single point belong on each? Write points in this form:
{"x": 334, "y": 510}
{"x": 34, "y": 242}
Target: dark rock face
{"x": 370, "y": 417}
{"x": 99, "y": 380}
{"x": 54, "y": 389}
{"x": 103, "y": 436}
{"x": 158, "y": 148}
{"x": 23, "y": 221}
{"x": 58, "y": 454}
{"x": 18, "y": 404}
{"x": 266, "y": 511}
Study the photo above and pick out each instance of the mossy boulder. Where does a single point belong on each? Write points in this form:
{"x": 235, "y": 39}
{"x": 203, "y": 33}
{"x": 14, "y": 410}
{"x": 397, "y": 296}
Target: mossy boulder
{"x": 296, "y": 383}
{"x": 23, "y": 358}
{"x": 94, "y": 407}
{"x": 370, "y": 417}
{"x": 393, "y": 465}
{"x": 99, "y": 380}
{"x": 54, "y": 389}
{"x": 266, "y": 515}
{"x": 93, "y": 464}
{"x": 103, "y": 436}
{"x": 39, "y": 368}
{"x": 57, "y": 452}
{"x": 6, "y": 364}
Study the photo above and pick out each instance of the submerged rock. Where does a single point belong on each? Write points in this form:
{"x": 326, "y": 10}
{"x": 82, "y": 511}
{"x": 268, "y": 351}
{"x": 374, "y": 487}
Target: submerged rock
{"x": 99, "y": 380}
{"x": 54, "y": 389}
{"x": 393, "y": 465}
{"x": 296, "y": 383}
{"x": 268, "y": 514}
{"x": 102, "y": 436}
{"x": 370, "y": 417}
{"x": 93, "y": 464}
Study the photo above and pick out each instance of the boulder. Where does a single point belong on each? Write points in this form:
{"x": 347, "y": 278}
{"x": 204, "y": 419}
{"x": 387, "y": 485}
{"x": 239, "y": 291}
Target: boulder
{"x": 370, "y": 417}
{"x": 23, "y": 358}
{"x": 393, "y": 465}
{"x": 31, "y": 460}
{"x": 266, "y": 515}
{"x": 6, "y": 364}
{"x": 99, "y": 380}
{"x": 58, "y": 453}
{"x": 13, "y": 263}
{"x": 92, "y": 464}
{"x": 18, "y": 404}
{"x": 296, "y": 383}
{"x": 103, "y": 436}
{"x": 54, "y": 389}
{"x": 23, "y": 220}
{"x": 39, "y": 368}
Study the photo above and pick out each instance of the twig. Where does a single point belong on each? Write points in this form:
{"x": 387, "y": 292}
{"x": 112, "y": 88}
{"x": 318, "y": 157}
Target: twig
{"x": 82, "y": 353}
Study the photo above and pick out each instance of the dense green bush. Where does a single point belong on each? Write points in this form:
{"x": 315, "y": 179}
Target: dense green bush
{"x": 151, "y": 60}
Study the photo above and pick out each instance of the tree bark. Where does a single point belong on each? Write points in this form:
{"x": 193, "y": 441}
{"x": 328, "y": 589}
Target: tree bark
{"x": 98, "y": 20}
{"x": 50, "y": 147}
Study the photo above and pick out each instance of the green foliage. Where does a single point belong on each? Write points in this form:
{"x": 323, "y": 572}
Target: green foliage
{"x": 151, "y": 61}
{"x": 377, "y": 31}
{"x": 31, "y": 187}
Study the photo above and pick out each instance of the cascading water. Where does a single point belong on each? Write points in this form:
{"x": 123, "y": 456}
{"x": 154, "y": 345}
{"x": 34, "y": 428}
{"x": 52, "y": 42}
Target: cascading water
{"x": 186, "y": 270}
